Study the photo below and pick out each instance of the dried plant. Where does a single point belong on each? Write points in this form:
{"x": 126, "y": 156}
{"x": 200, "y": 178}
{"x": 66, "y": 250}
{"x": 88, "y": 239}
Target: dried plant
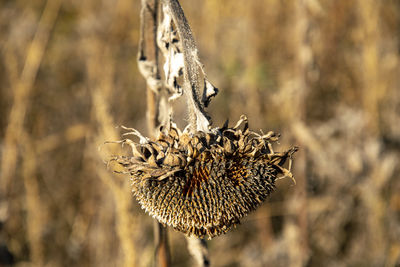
{"x": 203, "y": 183}
{"x": 202, "y": 180}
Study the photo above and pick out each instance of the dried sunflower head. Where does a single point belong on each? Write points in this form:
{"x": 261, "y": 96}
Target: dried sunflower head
{"x": 204, "y": 183}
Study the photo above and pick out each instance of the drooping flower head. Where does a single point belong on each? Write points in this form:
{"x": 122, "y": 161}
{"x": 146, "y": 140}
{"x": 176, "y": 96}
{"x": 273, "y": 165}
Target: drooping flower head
{"x": 204, "y": 183}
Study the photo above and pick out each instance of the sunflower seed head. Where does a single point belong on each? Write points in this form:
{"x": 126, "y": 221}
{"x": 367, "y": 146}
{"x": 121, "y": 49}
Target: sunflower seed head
{"x": 204, "y": 183}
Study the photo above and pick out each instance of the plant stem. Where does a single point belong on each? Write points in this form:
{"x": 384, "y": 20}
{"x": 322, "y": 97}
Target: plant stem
{"x": 198, "y": 118}
{"x": 198, "y": 249}
{"x": 148, "y": 64}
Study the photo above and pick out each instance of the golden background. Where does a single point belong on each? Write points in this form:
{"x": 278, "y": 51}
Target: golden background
{"x": 325, "y": 74}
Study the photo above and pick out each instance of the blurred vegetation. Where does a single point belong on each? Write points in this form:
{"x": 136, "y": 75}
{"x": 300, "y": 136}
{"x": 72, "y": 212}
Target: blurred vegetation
{"x": 325, "y": 74}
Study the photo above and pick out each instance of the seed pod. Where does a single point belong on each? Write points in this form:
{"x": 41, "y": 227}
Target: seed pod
{"x": 229, "y": 173}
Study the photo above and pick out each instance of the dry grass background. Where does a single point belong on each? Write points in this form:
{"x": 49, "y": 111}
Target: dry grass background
{"x": 323, "y": 73}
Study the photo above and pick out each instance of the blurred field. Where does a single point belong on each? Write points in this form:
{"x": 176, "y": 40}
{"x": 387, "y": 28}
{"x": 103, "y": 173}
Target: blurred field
{"x": 325, "y": 74}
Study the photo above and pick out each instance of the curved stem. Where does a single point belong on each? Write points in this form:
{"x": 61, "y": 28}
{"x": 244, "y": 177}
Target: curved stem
{"x": 199, "y": 119}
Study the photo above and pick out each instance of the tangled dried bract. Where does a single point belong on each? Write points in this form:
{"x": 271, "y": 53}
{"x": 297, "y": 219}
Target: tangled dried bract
{"x": 204, "y": 183}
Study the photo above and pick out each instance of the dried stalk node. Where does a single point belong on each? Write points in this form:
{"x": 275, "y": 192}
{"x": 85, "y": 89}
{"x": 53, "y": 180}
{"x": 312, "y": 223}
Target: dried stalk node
{"x": 204, "y": 183}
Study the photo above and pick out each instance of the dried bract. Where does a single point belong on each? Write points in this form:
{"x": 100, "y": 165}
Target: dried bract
{"x": 204, "y": 183}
